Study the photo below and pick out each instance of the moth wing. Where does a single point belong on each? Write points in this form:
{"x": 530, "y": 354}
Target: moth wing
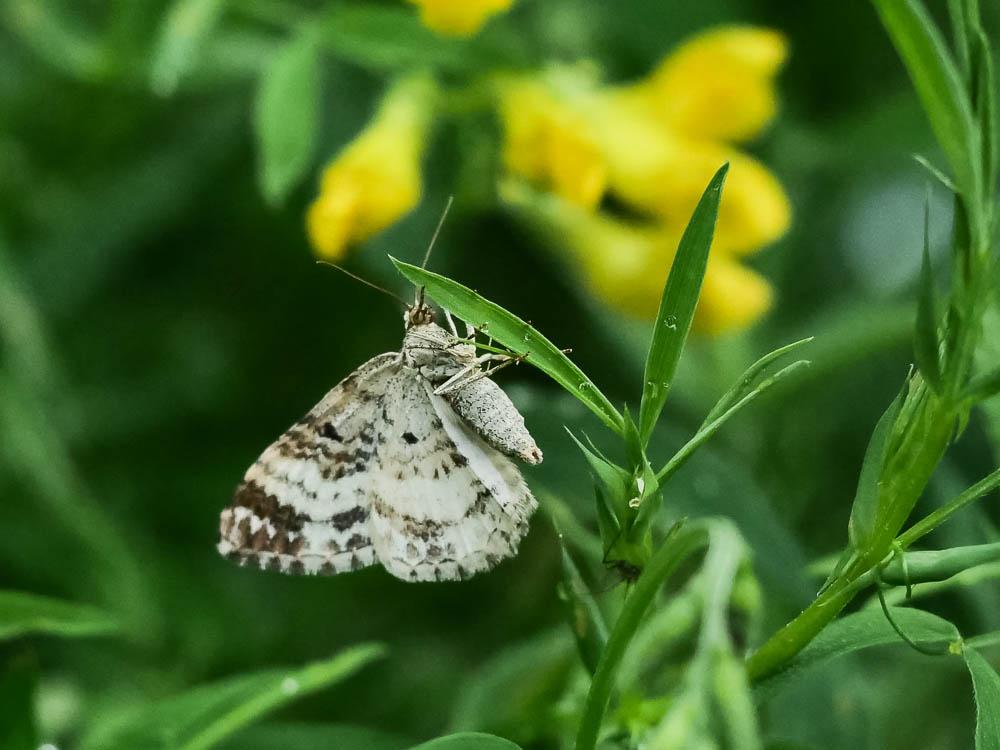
{"x": 304, "y": 505}
{"x": 447, "y": 505}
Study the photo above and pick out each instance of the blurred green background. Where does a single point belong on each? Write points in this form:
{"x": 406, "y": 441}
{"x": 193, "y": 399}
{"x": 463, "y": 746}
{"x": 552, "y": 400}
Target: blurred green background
{"x": 160, "y": 323}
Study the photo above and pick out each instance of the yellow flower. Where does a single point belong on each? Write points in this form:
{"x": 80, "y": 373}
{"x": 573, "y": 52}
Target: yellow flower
{"x": 550, "y": 142}
{"x": 375, "y": 180}
{"x": 459, "y": 17}
{"x": 663, "y": 173}
{"x": 719, "y": 85}
{"x": 626, "y": 264}
{"x": 654, "y": 145}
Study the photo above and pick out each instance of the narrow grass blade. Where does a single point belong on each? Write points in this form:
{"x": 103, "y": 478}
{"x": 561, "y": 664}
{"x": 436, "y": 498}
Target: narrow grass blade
{"x": 932, "y": 520}
{"x": 745, "y": 384}
{"x": 30, "y": 614}
{"x": 926, "y": 343}
{"x": 584, "y": 616}
{"x": 204, "y": 716}
{"x": 187, "y": 25}
{"x": 986, "y": 686}
{"x": 986, "y": 106}
{"x": 468, "y": 741}
{"x": 680, "y": 297}
{"x": 984, "y": 386}
{"x": 287, "y": 116}
{"x": 938, "y": 83}
{"x": 709, "y": 429}
{"x": 515, "y": 334}
{"x": 934, "y": 172}
{"x": 864, "y": 512}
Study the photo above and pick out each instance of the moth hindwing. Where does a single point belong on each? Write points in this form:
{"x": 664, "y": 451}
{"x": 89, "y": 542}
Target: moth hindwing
{"x": 405, "y": 462}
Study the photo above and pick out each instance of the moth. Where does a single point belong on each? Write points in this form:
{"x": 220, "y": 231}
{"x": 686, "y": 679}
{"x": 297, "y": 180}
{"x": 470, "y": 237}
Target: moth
{"x": 406, "y": 463}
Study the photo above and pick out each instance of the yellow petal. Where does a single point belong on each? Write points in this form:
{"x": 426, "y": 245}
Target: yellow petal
{"x": 732, "y": 297}
{"x": 550, "y": 142}
{"x": 663, "y": 174}
{"x": 458, "y": 17}
{"x": 375, "y": 180}
{"x": 719, "y": 85}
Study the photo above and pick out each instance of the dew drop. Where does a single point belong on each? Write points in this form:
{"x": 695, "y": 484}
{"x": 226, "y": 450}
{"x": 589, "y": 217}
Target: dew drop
{"x": 289, "y": 686}
{"x": 670, "y": 322}
{"x": 633, "y": 503}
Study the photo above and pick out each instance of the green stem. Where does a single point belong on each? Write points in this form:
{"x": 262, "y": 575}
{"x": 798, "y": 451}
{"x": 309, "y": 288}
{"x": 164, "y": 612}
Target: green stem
{"x": 926, "y": 525}
{"x": 680, "y": 543}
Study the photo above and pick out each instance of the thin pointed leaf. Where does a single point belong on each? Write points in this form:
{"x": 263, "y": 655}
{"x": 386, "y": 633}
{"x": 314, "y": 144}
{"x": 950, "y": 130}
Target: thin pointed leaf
{"x": 612, "y": 485}
{"x": 680, "y": 297}
{"x": 745, "y": 384}
{"x": 986, "y": 687}
{"x": 708, "y": 430}
{"x": 287, "y": 116}
{"x": 204, "y": 716}
{"x": 984, "y": 386}
{"x": 468, "y": 741}
{"x": 956, "y": 14}
{"x": 987, "y": 106}
{"x": 584, "y": 616}
{"x": 934, "y": 172}
{"x": 515, "y": 334}
{"x": 187, "y": 25}
{"x": 864, "y": 512}
{"x": 30, "y": 614}
{"x": 926, "y": 344}
{"x": 939, "y": 85}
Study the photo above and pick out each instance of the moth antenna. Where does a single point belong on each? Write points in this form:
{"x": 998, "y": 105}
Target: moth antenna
{"x": 366, "y": 282}
{"x": 430, "y": 247}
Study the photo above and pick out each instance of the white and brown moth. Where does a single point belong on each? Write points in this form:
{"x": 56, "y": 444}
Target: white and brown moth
{"x": 405, "y": 463}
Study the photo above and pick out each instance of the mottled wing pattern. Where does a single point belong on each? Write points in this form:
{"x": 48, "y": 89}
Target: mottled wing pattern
{"x": 381, "y": 470}
{"x": 446, "y": 504}
{"x": 303, "y": 506}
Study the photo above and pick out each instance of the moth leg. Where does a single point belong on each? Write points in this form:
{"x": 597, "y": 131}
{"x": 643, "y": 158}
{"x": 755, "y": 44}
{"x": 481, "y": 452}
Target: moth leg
{"x": 470, "y": 373}
{"x": 451, "y": 322}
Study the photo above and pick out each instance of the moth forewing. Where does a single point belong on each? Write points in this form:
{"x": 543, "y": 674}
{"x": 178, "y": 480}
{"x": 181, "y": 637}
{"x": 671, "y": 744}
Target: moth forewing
{"x": 382, "y": 469}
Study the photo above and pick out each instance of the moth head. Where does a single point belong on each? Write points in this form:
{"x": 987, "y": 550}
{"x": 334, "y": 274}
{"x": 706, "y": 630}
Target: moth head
{"x": 418, "y": 315}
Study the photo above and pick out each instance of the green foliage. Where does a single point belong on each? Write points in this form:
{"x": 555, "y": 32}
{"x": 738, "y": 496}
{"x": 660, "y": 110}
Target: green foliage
{"x": 468, "y": 741}
{"x": 986, "y": 682}
{"x": 203, "y": 716}
{"x": 29, "y": 614}
{"x": 287, "y": 114}
{"x": 680, "y": 297}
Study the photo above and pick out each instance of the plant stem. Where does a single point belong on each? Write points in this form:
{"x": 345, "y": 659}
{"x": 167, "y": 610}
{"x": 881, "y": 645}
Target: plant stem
{"x": 680, "y": 543}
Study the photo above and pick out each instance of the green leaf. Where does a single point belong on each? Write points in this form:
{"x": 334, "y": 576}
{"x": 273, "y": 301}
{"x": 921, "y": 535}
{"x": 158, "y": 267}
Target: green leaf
{"x": 934, "y": 172}
{"x": 983, "y": 386}
{"x": 468, "y": 741}
{"x": 612, "y": 479}
{"x": 515, "y": 334}
{"x": 926, "y": 344}
{"x": 938, "y": 83}
{"x": 986, "y": 686}
{"x": 584, "y": 616}
{"x": 680, "y": 297}
{"x": 745, "y": 384}
{"x": 706, "y": 431}
{"x": 302, "y": 736}
{"x": 187, "y": 25}
{"x": 865, "y": 510}
{"x": 937, "y": 565}
{"x": 862, "y": 630}
{"x": 203, "y": 716}
{"x": 986, "y": 106}
{"x": 29, "y": 614}
{"x": 286, "y": 116}
{"x": 386, "y": 38}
